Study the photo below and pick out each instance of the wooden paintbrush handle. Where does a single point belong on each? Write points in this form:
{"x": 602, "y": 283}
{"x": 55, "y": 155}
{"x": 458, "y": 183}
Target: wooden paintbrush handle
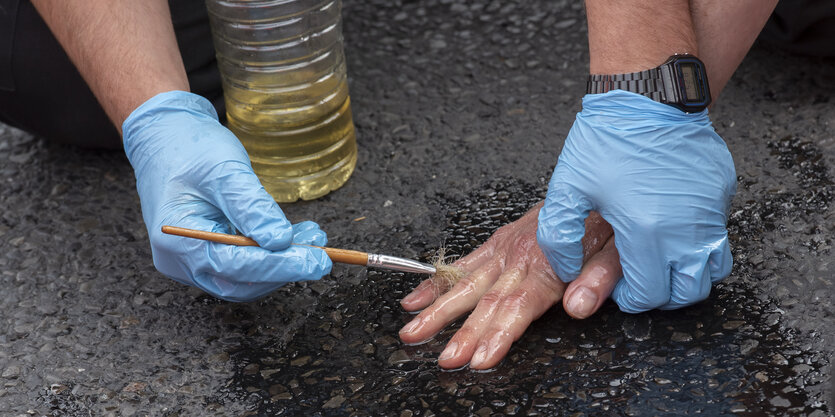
{"x": 210, "y": 236}
{"x": 337, "y": 255}
{"x": 345, "y": 256}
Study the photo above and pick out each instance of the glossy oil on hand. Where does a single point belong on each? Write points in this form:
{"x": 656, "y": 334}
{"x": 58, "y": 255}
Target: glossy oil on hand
{"x": 286, "y": 93}
{"x": 507, "y": 285}
{"x": 491, "y": 273}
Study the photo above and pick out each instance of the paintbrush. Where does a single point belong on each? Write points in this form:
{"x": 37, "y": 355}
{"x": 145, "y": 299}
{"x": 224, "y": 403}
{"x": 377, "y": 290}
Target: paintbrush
{"x": 337, "y": 255}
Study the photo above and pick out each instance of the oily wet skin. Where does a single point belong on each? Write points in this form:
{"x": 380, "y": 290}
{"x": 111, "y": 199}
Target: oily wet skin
{"x": 507, "y": 284}
{"x": 732, "y": 354}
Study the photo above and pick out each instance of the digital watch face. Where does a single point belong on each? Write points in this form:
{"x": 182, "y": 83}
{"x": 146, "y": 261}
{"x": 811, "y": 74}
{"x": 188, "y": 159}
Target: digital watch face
{"x": 691, "y": 83}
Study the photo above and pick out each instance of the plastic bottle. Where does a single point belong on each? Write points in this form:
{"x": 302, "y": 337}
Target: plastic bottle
{"x": 286, "y": 92}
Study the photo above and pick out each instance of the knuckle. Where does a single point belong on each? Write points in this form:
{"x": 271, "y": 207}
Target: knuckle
{"x": 552, "y": 285}
{"x": 467, "y": 283}
{"x": 524, "y": 244}
{"x": 516, "y": 300}
{"x": 501, "y": 234}
{"x": 491, "y": 298}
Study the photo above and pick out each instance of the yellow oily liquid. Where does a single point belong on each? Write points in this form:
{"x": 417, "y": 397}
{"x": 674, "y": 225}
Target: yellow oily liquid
{"x": 299, "y": 133}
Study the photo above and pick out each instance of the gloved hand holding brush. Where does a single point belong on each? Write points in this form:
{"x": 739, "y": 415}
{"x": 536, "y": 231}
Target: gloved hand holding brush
{"x": 193, "y": 172}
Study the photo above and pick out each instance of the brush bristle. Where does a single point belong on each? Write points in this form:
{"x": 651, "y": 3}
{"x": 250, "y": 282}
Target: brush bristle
{"x": 446, "y": 274}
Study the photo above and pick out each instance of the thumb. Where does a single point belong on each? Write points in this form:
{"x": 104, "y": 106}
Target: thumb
{"x": 562, "y": 226}
{"x": 600, "y": 274}
{"x": 249, "y": 207}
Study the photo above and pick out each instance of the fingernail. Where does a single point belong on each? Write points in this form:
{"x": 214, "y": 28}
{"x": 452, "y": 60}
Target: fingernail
{"x": 449, "y": 352}
{"x": 411, "y": 326}
{"x": 480, "y": 356}
{"x": 582, "y": 302}
{"x": 409, "y": 298}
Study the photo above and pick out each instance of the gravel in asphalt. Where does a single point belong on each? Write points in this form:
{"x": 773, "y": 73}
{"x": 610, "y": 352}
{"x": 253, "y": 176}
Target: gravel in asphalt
{"x": 461, "y": 109}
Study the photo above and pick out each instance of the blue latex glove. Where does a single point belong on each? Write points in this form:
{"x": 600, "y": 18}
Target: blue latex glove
{"x": 193, "y": 172}
{"x": 663, "y": 179}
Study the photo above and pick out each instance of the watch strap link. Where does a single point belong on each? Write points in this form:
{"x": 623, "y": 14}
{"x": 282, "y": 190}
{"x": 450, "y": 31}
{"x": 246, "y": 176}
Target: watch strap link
{"x": 648, "y": 83}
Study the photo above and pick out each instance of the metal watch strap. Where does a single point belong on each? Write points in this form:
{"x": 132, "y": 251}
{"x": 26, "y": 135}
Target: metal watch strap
{"x": 648, "y": 83}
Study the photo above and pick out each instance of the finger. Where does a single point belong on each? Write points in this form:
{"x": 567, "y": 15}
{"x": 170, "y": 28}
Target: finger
{"x": 534, "y": 296}
{"x": 694, "y": 273}
{"x": 475, "y": 259}
{"x": 242, "y": 198}
{"x": 589, "y": 291}
{"x": 463, "y": 296}
{"x": 429, "y": 290}
{"x": 238, "y": 273}
{"x": 720, "y": 261}
{"x": 598, "y": 232}
{"x": 510, "y": 237}
{"x": 646, "y": 274}
{"x": 233, "y": 273}
{"x": 519, "y": 244}
{"x": 424, "y": 294}
{"x": 689, "y": 282}
{"x": 460, "y": 348}
{"x": 562, "y": 225}
{"x": 305, "y": 226}
{"x": 309, "y": 233}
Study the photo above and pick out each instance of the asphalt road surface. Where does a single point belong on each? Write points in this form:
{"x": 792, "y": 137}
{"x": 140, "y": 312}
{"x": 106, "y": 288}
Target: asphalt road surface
{"x": 461, "y": 109}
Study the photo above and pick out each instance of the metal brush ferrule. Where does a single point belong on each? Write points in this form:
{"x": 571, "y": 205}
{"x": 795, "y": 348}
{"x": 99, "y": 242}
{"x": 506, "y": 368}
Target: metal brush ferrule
{"x": 399, "y": 264}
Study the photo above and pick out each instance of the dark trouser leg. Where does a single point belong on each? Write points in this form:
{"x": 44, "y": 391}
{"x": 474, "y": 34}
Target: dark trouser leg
{"x": 802, "y": 26}
{"x": 41, "y": 91}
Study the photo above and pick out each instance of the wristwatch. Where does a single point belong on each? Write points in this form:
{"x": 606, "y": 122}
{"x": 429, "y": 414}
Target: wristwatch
{"x": 681, "y": 82}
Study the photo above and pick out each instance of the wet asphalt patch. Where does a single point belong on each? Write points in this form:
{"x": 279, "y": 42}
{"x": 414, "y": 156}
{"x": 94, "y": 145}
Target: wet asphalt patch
{"x": 730, "y": 355}
{"x": 447, "y": 95}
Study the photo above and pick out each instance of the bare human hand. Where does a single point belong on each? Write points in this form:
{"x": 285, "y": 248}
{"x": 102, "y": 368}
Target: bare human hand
{"x": 508, "y": 284}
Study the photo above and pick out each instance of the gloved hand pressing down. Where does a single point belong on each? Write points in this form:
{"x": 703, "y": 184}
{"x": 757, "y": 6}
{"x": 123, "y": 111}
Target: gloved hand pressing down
{"x": 663, "y": 179}
{"x": 193, "y": 172}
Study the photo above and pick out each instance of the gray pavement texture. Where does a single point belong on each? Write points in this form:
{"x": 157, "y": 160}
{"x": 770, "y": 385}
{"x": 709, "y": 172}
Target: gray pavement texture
{"x": 461, "y": 109}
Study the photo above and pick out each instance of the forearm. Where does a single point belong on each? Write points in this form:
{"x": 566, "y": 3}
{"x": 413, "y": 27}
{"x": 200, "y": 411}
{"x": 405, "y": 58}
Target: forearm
{"x": 635, "y": 35}
{"x": 725, "y": 31}
{"x": 631, "y": 36}
{"x": 125, "y": 50}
